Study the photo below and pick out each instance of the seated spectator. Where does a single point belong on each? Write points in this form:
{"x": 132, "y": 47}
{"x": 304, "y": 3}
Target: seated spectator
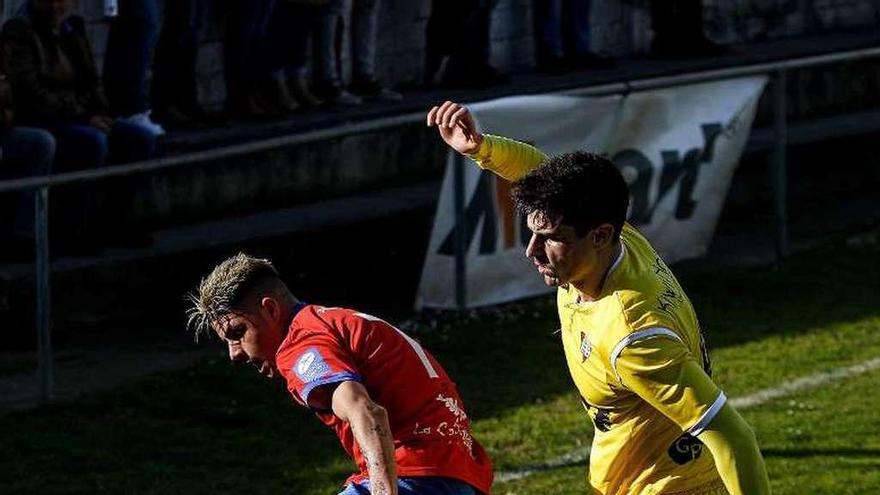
{"x": 24, "y": 151}
{"x": 56, "y": 86}
{"x": 552, "y": 19}
{"x": 175, "y": 87}
{"x": 289, "y": 32}
{"x": 678, "y": 30}
{"x": 130, "y": 45}
{"x": 457, "y": 45}
{"x": 365, "y": 83}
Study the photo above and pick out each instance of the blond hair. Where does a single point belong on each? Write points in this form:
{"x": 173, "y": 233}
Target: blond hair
{"x": 223, "y": 291}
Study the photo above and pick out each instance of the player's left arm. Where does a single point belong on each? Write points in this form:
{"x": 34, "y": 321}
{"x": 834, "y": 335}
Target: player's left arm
{"x": 735, "y": 449}
{"x": 663, "y": 372}
{"x": 369, "y": 423}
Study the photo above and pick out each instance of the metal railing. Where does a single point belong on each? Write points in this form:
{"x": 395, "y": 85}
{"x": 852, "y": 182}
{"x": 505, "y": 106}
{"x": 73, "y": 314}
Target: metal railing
{"x": 42, "y": 184}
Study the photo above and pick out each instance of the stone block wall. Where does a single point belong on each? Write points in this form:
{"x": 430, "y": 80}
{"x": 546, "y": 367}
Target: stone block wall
{"x": 737, "y": 21}
{"x": 620, "y": 28}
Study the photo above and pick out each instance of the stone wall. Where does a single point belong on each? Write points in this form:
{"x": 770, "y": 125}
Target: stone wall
{"x": 620, "y": 28}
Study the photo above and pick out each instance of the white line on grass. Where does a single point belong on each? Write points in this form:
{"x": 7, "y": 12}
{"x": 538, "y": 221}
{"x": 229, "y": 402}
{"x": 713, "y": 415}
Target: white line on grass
{"x": 807, "y": 382}
{"x": 752, "y": 400}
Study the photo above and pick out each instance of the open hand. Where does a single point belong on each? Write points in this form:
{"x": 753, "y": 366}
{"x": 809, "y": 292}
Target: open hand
{"x": 456, "y": 126}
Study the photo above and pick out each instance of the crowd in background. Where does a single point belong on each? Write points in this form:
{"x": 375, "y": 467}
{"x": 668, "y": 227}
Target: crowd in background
{"x": 60, "y": 113}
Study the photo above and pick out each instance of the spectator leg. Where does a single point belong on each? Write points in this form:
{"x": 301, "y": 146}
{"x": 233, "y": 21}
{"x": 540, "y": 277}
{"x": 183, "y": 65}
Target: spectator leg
{"x": 441, "y": 22}
{"x": 129, "y": 45}
{"x": 365, "y": 17}
{"x": 174, "y": 72}
{"x": 580, "y": 25}
{"x": 326, "y": 61}
{"x": 246, "y": 65}
{"x": 678, "y": 28}
{"x": 302, "y": 27}
{"x": 130, "y": 143}
{"x": 26, "y": 152}
{"x": 78, "y": 147}
{"x": 483, "y": 32}
{"x": 463, "y": 22}
{"x": 548, "y": 32}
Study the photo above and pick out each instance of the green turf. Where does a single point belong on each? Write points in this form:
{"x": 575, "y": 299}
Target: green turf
{"x": 218, "y": 428}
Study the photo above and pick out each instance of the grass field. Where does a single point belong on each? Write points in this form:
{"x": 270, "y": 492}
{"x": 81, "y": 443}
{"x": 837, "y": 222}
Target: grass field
{"x": 218, "y": 428}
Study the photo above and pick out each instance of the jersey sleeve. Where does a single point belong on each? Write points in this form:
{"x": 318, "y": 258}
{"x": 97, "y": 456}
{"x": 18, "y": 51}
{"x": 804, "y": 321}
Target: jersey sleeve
{"x": 508, "y": 158}
{"x": 318, "y": 359}
{"x": 656, "y": 365}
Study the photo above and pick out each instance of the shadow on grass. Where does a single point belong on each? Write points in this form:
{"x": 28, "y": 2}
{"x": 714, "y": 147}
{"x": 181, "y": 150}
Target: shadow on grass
{"x": 804, "y": 453}
{"x": 218, "y": 428}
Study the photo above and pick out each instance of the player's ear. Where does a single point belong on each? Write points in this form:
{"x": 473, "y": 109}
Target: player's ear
{"x": 602, "y": 235}
{"x": 270, "y": 308}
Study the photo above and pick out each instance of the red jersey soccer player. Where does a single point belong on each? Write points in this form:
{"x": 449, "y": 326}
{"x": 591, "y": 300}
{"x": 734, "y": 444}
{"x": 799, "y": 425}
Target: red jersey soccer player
{"x": 394, "y": 408}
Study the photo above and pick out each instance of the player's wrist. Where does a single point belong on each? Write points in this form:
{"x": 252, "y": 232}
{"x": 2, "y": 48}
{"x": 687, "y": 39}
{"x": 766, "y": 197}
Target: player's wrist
{"x": 481, "y": 148}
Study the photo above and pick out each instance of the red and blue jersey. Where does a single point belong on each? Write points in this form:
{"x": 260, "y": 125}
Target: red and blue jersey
{"x": 429, "y": 425}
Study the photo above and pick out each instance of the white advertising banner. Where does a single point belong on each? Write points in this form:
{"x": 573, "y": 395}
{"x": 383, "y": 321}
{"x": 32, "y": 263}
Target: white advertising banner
{"x": 677, "y": 149}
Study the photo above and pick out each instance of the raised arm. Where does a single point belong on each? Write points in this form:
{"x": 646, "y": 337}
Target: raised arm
{"x": 369, "y": 424}
{"x": 508, "y": 158}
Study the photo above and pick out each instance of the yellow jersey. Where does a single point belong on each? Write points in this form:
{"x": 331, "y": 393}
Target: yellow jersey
{"x": 637, "y": 358}
{"x": 626, "y": 351}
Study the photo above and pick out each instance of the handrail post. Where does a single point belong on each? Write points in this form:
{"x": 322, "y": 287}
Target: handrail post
{"x": 458, "y": 184}
{"x": 778, "y": 165}
{"x": 43, "y": 268}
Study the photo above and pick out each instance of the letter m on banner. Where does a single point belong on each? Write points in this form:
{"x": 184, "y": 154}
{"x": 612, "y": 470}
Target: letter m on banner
{"x": 492, "y": 211}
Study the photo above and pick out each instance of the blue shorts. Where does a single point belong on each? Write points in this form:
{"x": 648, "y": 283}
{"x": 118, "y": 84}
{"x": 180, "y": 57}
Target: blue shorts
{"x": 417, "y": 486}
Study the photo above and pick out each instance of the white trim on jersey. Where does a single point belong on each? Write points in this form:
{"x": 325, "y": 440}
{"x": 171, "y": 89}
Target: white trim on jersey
{"x": 636, "y": 336}
{"x": 618, "y": 260}
{"x": 420, "y": 352}
{"x": 708, "y": 416}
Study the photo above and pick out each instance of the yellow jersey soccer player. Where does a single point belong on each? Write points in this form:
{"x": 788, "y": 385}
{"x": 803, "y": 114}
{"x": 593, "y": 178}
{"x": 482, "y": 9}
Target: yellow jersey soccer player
{"x": 631, "y": 337}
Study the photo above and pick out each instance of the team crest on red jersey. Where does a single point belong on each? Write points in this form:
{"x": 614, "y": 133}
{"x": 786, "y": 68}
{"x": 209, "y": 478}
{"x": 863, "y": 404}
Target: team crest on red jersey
{"x": 586, "y": 346}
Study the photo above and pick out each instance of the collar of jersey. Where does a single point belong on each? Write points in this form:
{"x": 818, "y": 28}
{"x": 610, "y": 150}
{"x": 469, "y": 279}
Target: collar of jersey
{"x": 614, "y": 266}
{"x": 296, "y": 309}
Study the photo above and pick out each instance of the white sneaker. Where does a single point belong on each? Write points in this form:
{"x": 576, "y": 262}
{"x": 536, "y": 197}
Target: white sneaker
{"x": 143, "y": 120}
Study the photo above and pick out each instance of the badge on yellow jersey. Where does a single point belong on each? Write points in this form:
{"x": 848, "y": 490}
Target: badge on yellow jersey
{"x": 586, "y": 347}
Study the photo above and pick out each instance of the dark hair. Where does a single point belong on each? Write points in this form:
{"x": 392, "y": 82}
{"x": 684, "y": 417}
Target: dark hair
{"x": 583, "y": 189}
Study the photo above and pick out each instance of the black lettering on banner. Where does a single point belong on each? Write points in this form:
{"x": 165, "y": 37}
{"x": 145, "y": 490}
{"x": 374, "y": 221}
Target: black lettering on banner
{"x": 685, "y": 206}
{"x": 637, "y": 168}
{"x": 480, "y": 207}
{"x": 675, "y": 167}
{"x": 685, "y": 449}
{"x": 640, "y": 185}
